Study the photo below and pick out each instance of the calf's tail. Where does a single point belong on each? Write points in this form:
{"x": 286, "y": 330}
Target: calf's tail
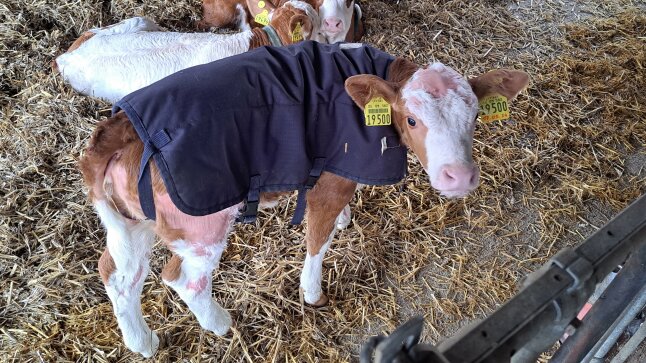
{"x": 113, "y": 141}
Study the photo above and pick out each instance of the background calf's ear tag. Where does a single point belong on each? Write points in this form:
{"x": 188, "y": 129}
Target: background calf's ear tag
{"x": 377, "y": 112}
{"x": 297, "y": 34}
{"x": 493, "y": 108}
{"x": 263, "y": 17}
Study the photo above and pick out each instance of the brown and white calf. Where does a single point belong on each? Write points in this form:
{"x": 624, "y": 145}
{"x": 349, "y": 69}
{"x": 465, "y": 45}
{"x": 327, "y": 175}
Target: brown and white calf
{"x": 434, "y": 111}
{"x": 341, "y": 20}
{"x": 114, "y": 61}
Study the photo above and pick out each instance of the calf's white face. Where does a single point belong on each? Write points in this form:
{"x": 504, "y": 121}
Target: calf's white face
{"x": 434, "y": 109}
{"x": 336, "y": 17}
{"x": 442, "y": 110}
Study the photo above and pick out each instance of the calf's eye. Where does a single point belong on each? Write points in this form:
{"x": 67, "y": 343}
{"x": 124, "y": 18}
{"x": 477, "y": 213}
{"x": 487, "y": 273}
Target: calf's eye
{"x": 411, "y": 121}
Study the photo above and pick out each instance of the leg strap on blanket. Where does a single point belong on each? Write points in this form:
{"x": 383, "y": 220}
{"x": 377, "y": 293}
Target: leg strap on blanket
{"x": 251, "y": 204}
{"x": 144, "y": 183}
{"x": 301, "y": 202}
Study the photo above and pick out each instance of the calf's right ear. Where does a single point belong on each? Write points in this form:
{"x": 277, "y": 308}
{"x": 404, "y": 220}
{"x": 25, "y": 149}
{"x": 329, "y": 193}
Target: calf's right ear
{"x": 508, "y": 83}
{"x": 364, "y": 87}
{"x": 258, "y": 6}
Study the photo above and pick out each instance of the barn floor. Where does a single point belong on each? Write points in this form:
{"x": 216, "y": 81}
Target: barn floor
{"x": 572, "y": 156}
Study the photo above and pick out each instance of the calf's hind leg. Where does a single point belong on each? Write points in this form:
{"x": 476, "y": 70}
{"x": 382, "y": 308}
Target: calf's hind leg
{"x": 195, "y": 256}
{"x": 123, "y": 268}
{"x": 325, "y": 202}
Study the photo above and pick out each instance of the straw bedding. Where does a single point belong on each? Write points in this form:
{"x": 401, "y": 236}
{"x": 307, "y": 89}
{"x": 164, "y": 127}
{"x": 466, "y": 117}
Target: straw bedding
{"x": 571, "y": 156}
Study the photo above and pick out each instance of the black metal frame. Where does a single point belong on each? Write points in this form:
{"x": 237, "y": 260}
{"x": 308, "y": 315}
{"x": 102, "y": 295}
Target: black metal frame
{"x": 532, "y": 321}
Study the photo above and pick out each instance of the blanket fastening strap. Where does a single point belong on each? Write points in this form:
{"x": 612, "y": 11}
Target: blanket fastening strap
{"x": 144, "y": 184}
{"x": 273, "y": 36}
{"x": 315, "y": 173}
{"x": 251, "y": 204}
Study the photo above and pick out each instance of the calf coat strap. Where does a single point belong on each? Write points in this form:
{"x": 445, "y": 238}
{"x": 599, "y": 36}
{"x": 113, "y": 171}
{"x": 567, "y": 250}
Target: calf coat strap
{"x": 251, "y": 204}
{"x": 315, "y": 173}
{"x": 144, "y": 183}
{"x": 273, "y": 36}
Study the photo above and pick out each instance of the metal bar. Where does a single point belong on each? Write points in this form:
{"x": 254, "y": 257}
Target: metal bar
{"x": 581, "y": 346}
{"x": 618, "y": 328}
{"x": 605, "y": 249}
{"x": 631, "y": 345}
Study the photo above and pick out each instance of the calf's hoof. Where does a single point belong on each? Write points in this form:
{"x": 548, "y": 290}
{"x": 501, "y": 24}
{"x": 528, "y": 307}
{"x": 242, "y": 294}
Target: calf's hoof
{"x": 322, "y": 301}
{"x": 146, "y": 345}
{"x": 219, "y": 323}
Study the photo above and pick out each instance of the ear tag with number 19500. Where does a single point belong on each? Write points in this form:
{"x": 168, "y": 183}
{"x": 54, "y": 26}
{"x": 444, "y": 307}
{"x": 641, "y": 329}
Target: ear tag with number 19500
{"x": 493, "y": 108}
{"x": 377, "y": 112}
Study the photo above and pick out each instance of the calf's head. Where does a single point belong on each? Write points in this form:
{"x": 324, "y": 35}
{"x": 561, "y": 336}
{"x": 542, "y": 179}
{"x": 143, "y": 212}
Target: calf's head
{"x": 434, "y": 109}
{"x": 340, "y": 20}
{"x": 290, "y": 19}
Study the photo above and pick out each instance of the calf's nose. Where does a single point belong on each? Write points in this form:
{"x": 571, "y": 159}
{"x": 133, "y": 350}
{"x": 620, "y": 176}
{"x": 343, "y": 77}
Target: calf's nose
{"x": 458, "y": 178}
{"x": 333, "y": 24}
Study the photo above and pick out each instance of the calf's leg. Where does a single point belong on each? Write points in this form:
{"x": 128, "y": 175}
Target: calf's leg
{"x": 123, "y": 268}
{"x": 190, "y": 271}
{"x": 325, "y": 203}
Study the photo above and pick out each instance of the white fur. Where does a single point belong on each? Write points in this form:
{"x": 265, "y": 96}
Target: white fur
{"x": 312, "y": 273}
{"x": 199, "y": 260}
{"x": 136, "y": 24}
{"x": 129, "y": 246}
{"x": 209, "y": 313}
{"x": 110, "y": 66}
{"x": 130, "y": 55}
{"x": 336, "y": 9}
{"x": 450, "y": 119}
{"x": 344, "y": 218}
{"x": 242, "y": 18}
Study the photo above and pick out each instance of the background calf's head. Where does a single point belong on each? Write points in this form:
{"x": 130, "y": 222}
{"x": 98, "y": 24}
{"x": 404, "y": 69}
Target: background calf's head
{"x": 289, "y": 17}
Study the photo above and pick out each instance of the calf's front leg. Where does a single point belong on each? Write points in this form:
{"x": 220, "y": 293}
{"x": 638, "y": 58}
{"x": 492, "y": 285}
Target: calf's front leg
{"x": 325, "y": 203}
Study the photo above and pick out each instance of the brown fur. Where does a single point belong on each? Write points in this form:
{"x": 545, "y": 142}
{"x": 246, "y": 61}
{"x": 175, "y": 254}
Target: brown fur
{"x": 508, "y": 83}
{"x": 110, "y": 137}
{"x": 363, "y": 88}
{"x": 222, "y": 13}
{"x": 106, "y": 266}
{"x": 258, "y": 39}
{"x": 172, "y": 269}
{"x": 324, "y": 203}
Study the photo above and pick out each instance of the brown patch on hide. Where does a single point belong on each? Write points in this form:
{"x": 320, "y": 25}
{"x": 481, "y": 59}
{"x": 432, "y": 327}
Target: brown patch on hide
{"x": 324, "y": 203}
{"x": 106, "y": 266}
{"x": 172, "y": 269}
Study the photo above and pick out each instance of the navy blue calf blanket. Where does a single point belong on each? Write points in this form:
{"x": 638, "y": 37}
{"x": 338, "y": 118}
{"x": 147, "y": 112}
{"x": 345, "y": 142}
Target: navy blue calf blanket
{"x": 268, "y": 120}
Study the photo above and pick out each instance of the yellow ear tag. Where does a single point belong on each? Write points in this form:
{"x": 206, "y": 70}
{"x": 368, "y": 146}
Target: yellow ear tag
{"x": 263, "y": 17}
{"x": 297, "y": 34}
{"x": 493, "y": 108}
{"x": 377, "y": 112}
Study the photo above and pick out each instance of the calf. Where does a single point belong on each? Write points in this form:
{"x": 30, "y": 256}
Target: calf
{"x": 189, "y": 155}
{"x": 111, "y": 62}
{"x": 341, "y": 19}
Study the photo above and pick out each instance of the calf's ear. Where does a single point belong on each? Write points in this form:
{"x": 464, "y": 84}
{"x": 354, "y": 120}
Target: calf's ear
{"x": 305, "y": 24}
{"x": 258, "y": 6}
{"x": 364, "y": 87}
{"x": 506, "y": 82}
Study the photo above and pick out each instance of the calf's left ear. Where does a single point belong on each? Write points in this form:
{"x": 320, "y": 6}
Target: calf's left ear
{"x": 506, "y": 82}
{"x": 364, "y": 87}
